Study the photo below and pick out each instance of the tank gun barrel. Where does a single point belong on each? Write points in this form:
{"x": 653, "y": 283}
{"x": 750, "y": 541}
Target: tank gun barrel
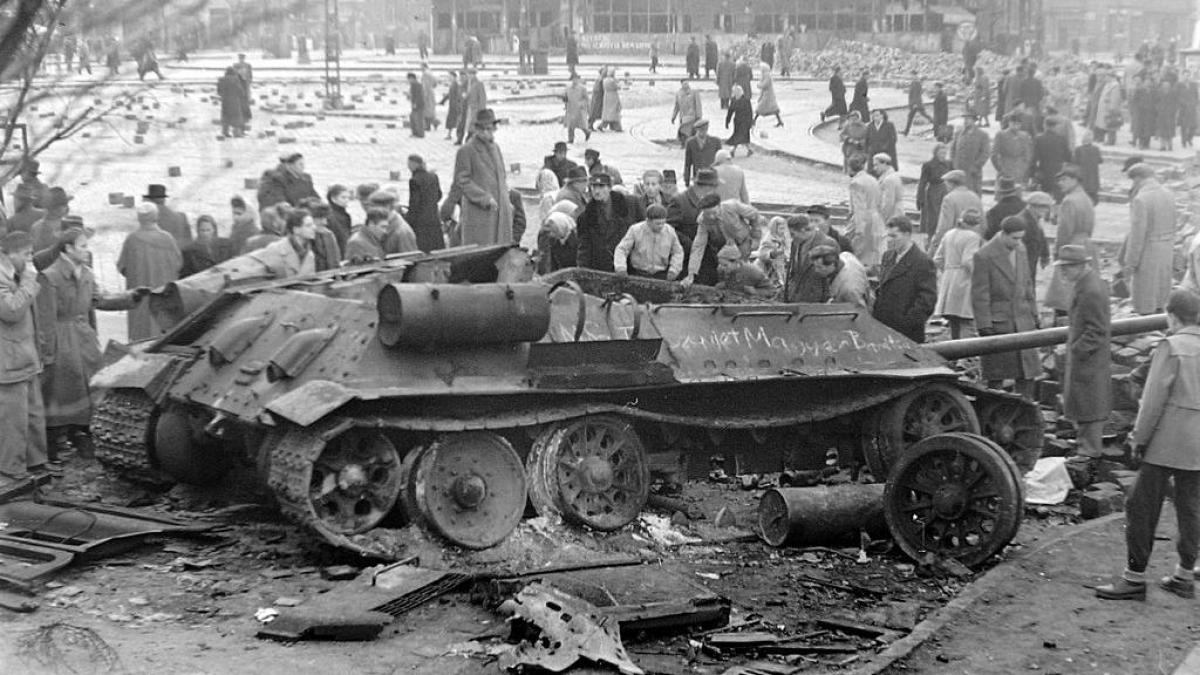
{"x": 992, "y": 344}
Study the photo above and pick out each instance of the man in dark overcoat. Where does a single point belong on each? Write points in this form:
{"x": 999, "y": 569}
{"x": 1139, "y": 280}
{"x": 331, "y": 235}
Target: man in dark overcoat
{"x": 1087, "y": 395}
{"x": 232, "y": 92}
{"x": 1002, "y": 300}
{"x": 683, "y": 211}
{"x": 424, "y": 193}
{"x": 287, "y": 182}
{"x": 907, "y": 289}
{"x": 481, "y": 178}
{"x": 802, "y": 283}
{"x": 603, "y": 224}
{"x": 693, "y": 60}
{"x": 710, "y": 56}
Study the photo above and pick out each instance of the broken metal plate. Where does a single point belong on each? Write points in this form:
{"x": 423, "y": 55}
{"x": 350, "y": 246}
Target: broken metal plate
{"x": 22, "y": 562}
{"x": 310, "y": 624}
{"x": 89, "y": 532}
{"x": 562, "y": 630}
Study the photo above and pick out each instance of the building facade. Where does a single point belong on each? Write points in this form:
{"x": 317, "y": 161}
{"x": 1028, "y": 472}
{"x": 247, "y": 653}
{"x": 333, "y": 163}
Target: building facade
{"x": 1117, "y": 26}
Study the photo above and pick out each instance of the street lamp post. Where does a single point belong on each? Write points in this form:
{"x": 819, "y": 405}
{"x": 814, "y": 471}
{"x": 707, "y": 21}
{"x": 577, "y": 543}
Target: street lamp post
{"x": 333, "y": 57}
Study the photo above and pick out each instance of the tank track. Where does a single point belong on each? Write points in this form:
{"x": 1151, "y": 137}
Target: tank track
{"x": 289, "y": 473}
{"x": 121, "y": 426}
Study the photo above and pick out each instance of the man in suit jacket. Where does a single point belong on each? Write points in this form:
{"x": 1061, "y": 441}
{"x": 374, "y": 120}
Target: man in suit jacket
{"x": 907, "y": 283}
{"x": 1087, "y": 396}
{"x": 1002, "y": 300}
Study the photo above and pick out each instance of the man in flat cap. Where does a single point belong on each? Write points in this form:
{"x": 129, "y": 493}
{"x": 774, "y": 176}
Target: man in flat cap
{"x": 287, "y": 182}
{"x": 1087, "y": 396}
{"x": 1076, "y": 221}
{"x": 22, "y": 421}
{"x": 699, "y": 152}
{"x": 1147, "y": 261}
{"x": 151, "y": 258}
{"x": 735, "y": 273}
{"x": 603, "y": 224}
{"x": 845, "y": 277}
{"x": 481, "y": 186}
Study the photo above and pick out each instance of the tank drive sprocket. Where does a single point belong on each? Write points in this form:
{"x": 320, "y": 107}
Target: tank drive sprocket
{"x": 122, "y": 427}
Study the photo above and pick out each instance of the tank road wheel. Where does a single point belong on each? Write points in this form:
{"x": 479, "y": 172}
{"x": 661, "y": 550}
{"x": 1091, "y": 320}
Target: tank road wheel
{"x": 468, "y": 487}
{"x": 953, "y": 495}
{"x": 926, "y": 411}
{"x": 591, "y": 470}
{"x": 1015, "y": 426}
{"x": 185, "y": 452}
{"x": 123, "y": 426}
{"x": 343, "y": 481}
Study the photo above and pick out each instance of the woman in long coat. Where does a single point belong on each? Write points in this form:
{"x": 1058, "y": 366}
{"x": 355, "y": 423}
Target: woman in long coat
{"x": 597, "y": 110}
{"x": 742, "y": 114}
{"x": 424, "y": 193}
{"x": 610, "y": 116}
{"x": 725, "y": 80}
{"x": 955, "y": 260}
{"x": 234, "y": 103}
{"x": 767, "y": 104}
{"x": 68, "y": 344}
{"x": 453, "y": 100}
{"x": 931, "y": 189}
{"x": 1109, "y": 117}
{"x": 576, "y": 114}
{"x": 1168, "y": 114}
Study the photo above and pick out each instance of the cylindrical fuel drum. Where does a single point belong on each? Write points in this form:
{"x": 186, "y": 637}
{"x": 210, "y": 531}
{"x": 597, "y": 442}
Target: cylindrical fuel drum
{"x": 820, "y": 515}
{"x": 424, "y": 315}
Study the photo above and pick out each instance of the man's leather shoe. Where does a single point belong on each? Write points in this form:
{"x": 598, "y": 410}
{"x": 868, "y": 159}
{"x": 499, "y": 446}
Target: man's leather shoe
{"x": 1180, "y": 587}
{"x": 1121, "y": 590}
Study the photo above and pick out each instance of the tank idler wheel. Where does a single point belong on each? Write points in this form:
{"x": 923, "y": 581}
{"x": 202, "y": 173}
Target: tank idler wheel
{"x": 1015, "y": 426}
{"x": 591, "y": 470}
{"x": 929, "y": 410}
{"x": 468, "y": 487}
{"x": 956, "y": 495}
{"x": 355, "y": 480}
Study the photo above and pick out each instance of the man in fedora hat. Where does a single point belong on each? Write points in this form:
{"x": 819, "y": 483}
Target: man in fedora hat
{"x": 603, "y": 224}
{"x": 1008, "y": 203}
{"x": 699, "y": 152}
{"x": 22, "y": 421}
{"x": 574, "y": 189}
{"x": 558, "y": 162}
{"x": 683, "y": 211}
{"x": 149, "y": 257}
{"x": 481, "y": 184}
{"x": 1087, "y": 399}
{"x": 45, "y": 231}
{"x": 1050, "y": 153}
{"x": 1076, "y": 222}
{"x": 171, "y": 221}
{"x": 287, "y": 182}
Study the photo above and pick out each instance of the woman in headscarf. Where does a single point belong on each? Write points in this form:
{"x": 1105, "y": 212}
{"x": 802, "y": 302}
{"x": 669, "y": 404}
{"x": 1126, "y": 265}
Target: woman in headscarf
{"x": 557, "y": 241}
{"x": 767, "y": 104}
{"x": 775, "y": 249}
{"x": 207, "y": 250}
{"x": 742, "y": 114}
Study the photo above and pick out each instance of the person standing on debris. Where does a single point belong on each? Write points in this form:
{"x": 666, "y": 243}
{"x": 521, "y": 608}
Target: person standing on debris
{"x": 1149, "y": 251}
{"x": 68, "y": 343}
{"x": 151, "y": 258}
{"x": 603, "y": 223}
{"x": 287, "y": 182}
{"x": 22, "y": 421}
{"x": 481, "y": 178}
{"x": 907, "y": 283}
{"x": 1087, "y": 395}
{"x": 650, "y": 248}
{"x": 1002, "y": 301}
{"x": 1164, "y": 440}
{"x": 1076, "y": 221}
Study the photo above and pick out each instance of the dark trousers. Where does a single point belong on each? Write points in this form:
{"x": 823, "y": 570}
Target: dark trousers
{"x": 649, "y": 275}
{"x": 1144, "y": 504}
{"x": 913, "y": 111}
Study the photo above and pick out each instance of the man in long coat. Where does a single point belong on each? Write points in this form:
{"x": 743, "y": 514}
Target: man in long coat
{"x": 1012, "y": 152}
{"x": 67, "y": 342}
{"x": 907, "y": 283}
{"x": 802, "y": 283}
{"x": 699, "y": 152}
{"x": 429, "y": 90}
{"x": 482, "y": 179}
{"x": 424, "y": 193}
{"x": 1076, "y": 221}
{"x": 232, "y": 91}
{"x": 687, "y": 110}
{"x": 958, "y": 200}
{"x": 287, "y": 182}
{"x": 151, "y": 258}
{"x": 971, "y": 151}
{"x": 866, "y": 225}
{"x": 1149, "y": 250}
{"x": 1087, "y": 395}
{"x": 861, "y": 100}
{"x": 603, "y": 224}
{"x": 1002, "y": 300}
{"x": 725, "y": 79}
{"x": 22, "y": 421}
{"x": 683, "y": 211}
{"x": 837, "y": 94}
{"x": 474, "y": 101}
{"x": 710, "y": 56}
{"x": 692, "y": 60}
{"x": 576, "y": 114}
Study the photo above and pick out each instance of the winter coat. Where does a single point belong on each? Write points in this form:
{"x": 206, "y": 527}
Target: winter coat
{"x": 481, "y": 177}
{"x": 1108, "y": 107}
{"x": 725, "y": 79}
{"x": 69, "y": 346}
{"x": 683, "y": 214}
{"x": 429, "y": 87}
{"x": 1150, "y": 247}
{"x": 743, "y": 118}
{"x": 697, "y": 155}
{"x": 282, "y": 185}
{"x": 970, "y": 152}
{"x": 862, "y": 100}
{"x": 19, "y": 357}
{"x": 1087, "y": 395}
{"x": 284, "y": 261}
{"x": 981, "y": 97}
{"x": 693, "y": 57}
{"x": 837, "y": 96}
{"x": 232, "y": 92}
{"x": 475, "y": 100}
{"x": 1076, "y": 220}
{"x": 891, "y": 196}
{"x": 710, "y": 54}
{"x": 454, "y": 104}
{"x": 599, "y": 236}
{"x": 577, "y": 107}
{"x": 1002, "y": 300}
{"x": 199, "y": 256}
{"x": 882, "y": 138}
{"x": 424, "y": 193}
{"x": 1088, "y": 159}
{"x": 954, "y": 204}
{"x": 930, "y": 192}
{"x": 1168, "y": 111}
{"x": 767, "y": 104}
{"x": 688, "y": 109}
{"x": 866, "y": 226}
{"x": 597, "y": 107}
{"x": 612, "y": 101}
{"x": 1050, "y": 153}
{"x": 743, "y": 77}
{"x": 956, "y": 259}
{"x": 1012, "y": 154}
{"x": 733, "y": 182}
{"x": 1168, "y": 420}
{"x": 907, "y": 292}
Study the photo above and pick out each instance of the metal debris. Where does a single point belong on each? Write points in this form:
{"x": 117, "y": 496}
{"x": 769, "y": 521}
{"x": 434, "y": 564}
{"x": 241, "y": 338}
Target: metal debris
{"x": 557, "y": 630}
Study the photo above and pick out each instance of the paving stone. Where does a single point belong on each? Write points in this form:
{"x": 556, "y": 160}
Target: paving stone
{"x": 1096, "y": 503}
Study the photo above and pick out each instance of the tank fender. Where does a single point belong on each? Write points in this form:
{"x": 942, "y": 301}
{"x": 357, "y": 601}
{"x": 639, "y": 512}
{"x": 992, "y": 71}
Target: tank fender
{"x": 136, "y": 370}
{"x": 311, "y": 401}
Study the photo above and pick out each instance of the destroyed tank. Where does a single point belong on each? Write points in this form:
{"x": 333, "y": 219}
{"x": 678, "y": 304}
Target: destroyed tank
{"x": 449, "y": 391}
